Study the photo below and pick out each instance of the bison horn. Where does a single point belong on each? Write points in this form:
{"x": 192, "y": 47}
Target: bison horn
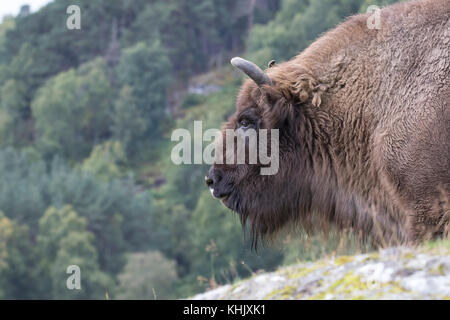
{"x": 252, "y": 70}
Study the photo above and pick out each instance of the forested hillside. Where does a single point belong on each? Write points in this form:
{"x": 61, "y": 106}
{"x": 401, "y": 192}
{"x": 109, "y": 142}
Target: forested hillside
{"x": 85, "y": 123}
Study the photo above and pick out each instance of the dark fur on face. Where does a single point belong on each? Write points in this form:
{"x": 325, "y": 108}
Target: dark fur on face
{"x": 364, "y": 134}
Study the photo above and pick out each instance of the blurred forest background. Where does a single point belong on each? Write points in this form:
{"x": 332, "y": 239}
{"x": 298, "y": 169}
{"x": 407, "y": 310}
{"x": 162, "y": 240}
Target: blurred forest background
{"x": 85, "y": 123}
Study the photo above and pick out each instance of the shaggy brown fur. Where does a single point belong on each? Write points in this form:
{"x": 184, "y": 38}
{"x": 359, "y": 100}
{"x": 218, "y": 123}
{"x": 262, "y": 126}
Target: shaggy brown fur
{"x": 364, "y": 120}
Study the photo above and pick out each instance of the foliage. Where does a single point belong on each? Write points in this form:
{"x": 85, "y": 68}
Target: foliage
{"x": 128, "y": 123}
{"x": 64, "y": 240}
{"x": 6, "y": 24}
{"x": 296, "y": 25}
{"x": 105, "y": 160}
{"x": 146, "y": 70}
{"x": 117, "y": 214}
{"x": 17, "y": 258}
{"x": 72, "y": 111}
{"x": 147, "y": 275}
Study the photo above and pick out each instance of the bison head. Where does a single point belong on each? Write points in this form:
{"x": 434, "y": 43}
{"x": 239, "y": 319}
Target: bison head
{"x": 269, "y": 101}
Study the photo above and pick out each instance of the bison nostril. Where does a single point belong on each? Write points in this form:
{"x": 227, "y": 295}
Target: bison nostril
{"x": 212, "y": 178}
{"x": 208, "y": 181}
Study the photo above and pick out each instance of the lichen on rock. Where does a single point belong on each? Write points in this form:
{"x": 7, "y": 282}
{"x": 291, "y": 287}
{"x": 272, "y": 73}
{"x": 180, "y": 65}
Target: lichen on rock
{"x": 393, "y": 273}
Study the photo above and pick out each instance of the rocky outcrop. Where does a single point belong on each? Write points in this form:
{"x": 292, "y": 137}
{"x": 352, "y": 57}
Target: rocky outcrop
{"x": 394, "y": 273}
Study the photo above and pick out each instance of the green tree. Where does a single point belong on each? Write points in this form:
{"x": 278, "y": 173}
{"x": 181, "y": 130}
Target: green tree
{"x": 296, "y": 26}
{"x": 72, "y": 111}
{"x": 77, "y": 248}
{"x": 146, "y": 70}
{"x": 18, "y": 83}
{"x": 381, "y": 3}
{"x": 13, "y": 104}
{"x": 145, "y": 275}
{"x": 206, "y": 27}
{"x": 63, "y": 240}
{"x": 105, "y": 160}
{"x": 8, "y": 23}
{"x": 18, "y": 267}
{"x": 128, "y": 122}
{"x": 118, "y": 213}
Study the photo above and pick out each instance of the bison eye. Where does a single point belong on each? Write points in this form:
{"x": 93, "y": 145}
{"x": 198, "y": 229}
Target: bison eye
{"x": 244, "y": 124}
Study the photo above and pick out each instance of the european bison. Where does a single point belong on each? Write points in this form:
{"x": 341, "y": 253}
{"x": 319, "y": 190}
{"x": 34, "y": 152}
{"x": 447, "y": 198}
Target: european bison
{"x": 364, "y": 131}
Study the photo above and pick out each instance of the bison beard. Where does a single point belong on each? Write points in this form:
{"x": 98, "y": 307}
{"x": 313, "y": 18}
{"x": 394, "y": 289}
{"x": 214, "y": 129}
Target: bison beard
{"x": 364, "y": 124}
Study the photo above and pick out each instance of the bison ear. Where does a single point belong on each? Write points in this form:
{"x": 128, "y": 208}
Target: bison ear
{"x": 271, "y": 63}
{"x": 251, "y": 70}
{"x": 317, "y": 94}
{"x": 309, "y": 89}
